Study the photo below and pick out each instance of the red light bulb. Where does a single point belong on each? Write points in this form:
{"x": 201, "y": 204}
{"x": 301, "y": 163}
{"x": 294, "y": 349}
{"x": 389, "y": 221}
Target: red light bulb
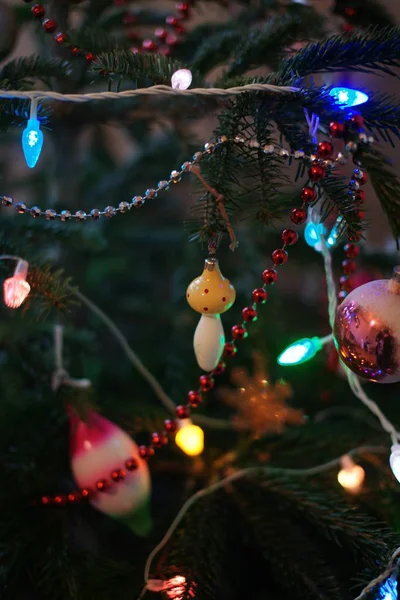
{"x": 16, "y": 288}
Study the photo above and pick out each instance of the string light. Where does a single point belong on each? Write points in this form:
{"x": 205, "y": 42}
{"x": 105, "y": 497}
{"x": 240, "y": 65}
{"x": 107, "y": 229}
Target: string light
{"x": 388, "y": 591}
{"x": 350, "y": 475}
{"x": 312, "y": 233}
{"x": 181, "y": 79}
{"x": 32, "y": 137}
{"x": 395, "y": 461}
{"x": 314, "y": 229}
{"x": 189, "y": 438}
{"x": 303, "y": 350}
{"x": 348, "y": 97}
{"x": 16, "y": 288}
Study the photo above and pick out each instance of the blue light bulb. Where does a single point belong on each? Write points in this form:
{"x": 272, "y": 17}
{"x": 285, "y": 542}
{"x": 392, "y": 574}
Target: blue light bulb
{"x": 312, "y": 233}
{"x": 388, "y": 591}
{"x": 32, "y": 142}
{"x": 348, "y": 97}
{"x": 300, "y": 352}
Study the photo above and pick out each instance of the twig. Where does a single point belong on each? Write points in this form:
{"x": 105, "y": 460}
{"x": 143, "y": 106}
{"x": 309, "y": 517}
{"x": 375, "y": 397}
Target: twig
{"x": 195, "y": 169}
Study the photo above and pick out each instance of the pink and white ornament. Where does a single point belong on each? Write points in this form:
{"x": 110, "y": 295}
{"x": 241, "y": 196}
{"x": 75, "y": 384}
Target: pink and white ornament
{"x": 98, "y": 448}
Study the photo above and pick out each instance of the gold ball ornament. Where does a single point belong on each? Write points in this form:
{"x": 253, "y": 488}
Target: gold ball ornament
{"x": 211, "y": 293}
{"x": 367, "y": 330}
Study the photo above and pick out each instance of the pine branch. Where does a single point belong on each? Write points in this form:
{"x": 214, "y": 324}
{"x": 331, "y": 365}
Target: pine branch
{"x": 337, "y": 199}
{"x": 367, "y": 12}
{"x": 97, "y": 40}
{"x": 387, "y": 187}
{"x": 200, "y": 550}
{"x": 335, "y": 519}
{"x": 154, "y": 68}
{"x": 260, "y": 46}
{"x": 306, "y": 572}
{"x": 369, "y": 52}
{"x": 20, "y": 73}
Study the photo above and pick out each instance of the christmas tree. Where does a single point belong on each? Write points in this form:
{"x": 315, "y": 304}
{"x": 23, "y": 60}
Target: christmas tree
{"x": 200, "y": 329}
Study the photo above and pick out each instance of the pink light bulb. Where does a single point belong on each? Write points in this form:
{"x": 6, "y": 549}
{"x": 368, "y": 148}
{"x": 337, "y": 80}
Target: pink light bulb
{"x": 16, "y": 288}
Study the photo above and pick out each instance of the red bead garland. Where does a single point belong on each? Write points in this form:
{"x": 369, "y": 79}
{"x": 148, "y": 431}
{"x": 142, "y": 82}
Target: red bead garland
{"x": 206, "y": 381}
{"x": 38, "y": 11}
{"x": 239, "y": 332}
{"x": 337, "y": 129}
{"x": 308, "y": 194}
{"x": 325, "y": 150}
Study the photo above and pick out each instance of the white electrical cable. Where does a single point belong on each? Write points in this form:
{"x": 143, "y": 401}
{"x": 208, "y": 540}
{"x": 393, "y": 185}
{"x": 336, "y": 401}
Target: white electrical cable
{"x": 240, "y": 475}
{"x": 156, "y": 90}
{"x": 353, "y": 380}
{"x": 390, "y": 570}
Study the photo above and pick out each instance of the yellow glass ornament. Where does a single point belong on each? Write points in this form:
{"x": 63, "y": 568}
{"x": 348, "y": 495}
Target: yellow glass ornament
{"x": 211, "y": 293}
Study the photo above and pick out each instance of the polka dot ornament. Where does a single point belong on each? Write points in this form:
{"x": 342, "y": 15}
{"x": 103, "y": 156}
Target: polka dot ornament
{"x": 211, "y": 294}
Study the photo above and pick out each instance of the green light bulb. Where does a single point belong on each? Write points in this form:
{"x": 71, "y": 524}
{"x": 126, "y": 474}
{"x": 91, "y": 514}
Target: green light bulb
{"x": 300, "y": 351}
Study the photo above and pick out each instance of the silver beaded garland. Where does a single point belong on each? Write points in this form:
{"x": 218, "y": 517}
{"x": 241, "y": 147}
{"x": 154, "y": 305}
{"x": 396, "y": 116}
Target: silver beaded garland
{"x": 110, "y": 212}
{"x": 50, "y": 214}
{"x": 176, "y": 176}
{"x": 35, "y": 212}
{"x": 123, "y": 207}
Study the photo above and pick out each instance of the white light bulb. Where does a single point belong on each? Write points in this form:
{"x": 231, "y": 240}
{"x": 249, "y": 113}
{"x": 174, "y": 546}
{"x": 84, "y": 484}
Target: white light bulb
{"x": 181, "y": 79}
{"x": 350, "y": 475}
{"x": 395, "y": 461}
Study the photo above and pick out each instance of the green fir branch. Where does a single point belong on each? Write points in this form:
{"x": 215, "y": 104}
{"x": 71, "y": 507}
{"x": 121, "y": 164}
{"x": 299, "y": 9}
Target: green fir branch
{"x": 152, "y": 68}
{"x": 20, "y": 73}
{"x": 376, "y": 50}
{"x": 336, "y": 199}
{"x": 263, "y": 46}
{"x": 366, "y": 12}
{"x": 97, "y": 40}
{"x": 387, "y": 187}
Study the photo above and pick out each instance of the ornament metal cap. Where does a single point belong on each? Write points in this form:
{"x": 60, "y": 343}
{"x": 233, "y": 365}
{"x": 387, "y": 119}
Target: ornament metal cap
{"x": 394, "y": 282}
{"x": 211, "y": 263}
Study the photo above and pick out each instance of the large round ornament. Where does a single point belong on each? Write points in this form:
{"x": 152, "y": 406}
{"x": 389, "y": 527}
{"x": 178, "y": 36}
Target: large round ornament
{"x": 98, "y": 448}
{"x": 367, "y": 330}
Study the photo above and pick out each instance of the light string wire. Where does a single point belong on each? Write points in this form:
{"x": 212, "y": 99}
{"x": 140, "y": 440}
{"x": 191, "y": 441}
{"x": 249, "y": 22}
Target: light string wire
{"x": 390, "y": 570}
{"x": 134, "y": 359}
{"x": 357, "y": 390}
{"x": 156, "y": 90}
{"x": 246, "y": 473}
{"x": 352, "y": 378}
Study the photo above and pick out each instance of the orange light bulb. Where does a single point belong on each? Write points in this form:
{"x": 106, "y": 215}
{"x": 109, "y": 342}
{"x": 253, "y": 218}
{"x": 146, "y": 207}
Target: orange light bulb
{"x": 350, "y": 475}
{"x": 16, "y": 288}
{"x": 190, "y": 438}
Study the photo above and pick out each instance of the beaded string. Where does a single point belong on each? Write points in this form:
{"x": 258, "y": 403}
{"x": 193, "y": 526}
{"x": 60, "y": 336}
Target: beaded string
{"x": 206, "y": 381}
{"x": 167, "y": 38}
{"x": 318, "y": 170}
